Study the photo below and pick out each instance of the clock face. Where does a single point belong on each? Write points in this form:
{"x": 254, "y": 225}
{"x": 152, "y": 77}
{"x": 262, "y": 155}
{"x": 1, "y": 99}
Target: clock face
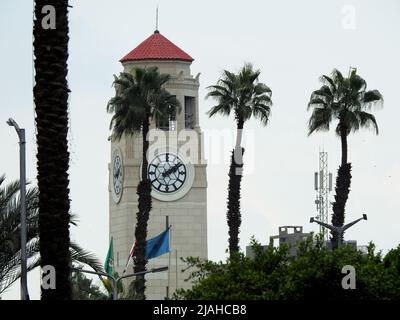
{"x": 117, "y": 175}
{"x": 167, "y": 173}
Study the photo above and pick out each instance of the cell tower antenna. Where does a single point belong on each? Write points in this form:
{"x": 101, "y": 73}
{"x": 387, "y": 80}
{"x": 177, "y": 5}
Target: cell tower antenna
{"x": 323, "y": 187}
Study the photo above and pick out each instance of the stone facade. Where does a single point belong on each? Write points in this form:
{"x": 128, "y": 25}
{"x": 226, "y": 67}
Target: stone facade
{"x": 187, "y": 215}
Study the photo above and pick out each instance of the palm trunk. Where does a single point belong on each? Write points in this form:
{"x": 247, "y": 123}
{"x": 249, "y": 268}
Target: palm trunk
{"x": 235, "y": 177}
{"x": 343, "y": 138}
{"x": 239, "y": 134}
{"x": 342, "y": 189}
{"x": 51, "y": 106}
{"x": 142, "y": 217}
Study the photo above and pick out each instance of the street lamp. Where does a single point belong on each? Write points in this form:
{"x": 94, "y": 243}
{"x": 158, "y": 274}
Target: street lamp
{"x": 116, "y": 280}
{"x": 22, "y": 184}
{"x": 339, "y": 230}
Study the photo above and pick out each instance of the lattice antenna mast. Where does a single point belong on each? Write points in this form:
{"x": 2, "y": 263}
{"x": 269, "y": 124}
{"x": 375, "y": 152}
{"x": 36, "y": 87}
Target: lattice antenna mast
{"x": 323, "y": 187}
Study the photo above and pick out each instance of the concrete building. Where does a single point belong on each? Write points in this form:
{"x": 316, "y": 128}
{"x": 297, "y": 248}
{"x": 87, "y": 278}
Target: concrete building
{"x": 180, "y": 195}
{"x": 290, "y": 235}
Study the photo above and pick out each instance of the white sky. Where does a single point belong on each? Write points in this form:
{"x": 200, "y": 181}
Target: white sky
{"x": 292, "y": 42}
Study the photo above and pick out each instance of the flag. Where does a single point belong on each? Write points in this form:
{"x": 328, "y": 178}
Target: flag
{"x": 131, "y": 257}
{"x": 155, "y": 247}
{"x": 109, "y": 263}
{"x": 158, "y": 245}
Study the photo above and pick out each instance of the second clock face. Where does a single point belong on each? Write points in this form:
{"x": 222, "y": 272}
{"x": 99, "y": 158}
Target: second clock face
{"x": 117, "y": 175}
{"x": 167, "y": 173}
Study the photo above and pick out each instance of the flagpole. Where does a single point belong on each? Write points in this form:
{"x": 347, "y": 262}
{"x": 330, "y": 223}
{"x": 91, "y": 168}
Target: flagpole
{"x": 176, "y": 268}
{"x": 129, "y": 257}
{"x": 169, "y": 256}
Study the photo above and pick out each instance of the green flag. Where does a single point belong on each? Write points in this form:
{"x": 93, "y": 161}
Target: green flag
{"x": 109, "y": 263}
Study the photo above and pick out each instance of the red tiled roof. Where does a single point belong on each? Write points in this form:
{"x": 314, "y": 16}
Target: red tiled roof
{"x": 157, "y": 47}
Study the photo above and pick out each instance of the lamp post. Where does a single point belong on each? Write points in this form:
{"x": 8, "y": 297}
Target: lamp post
{"x": 22, "y": 183}
{"x": 114, "y": 280}
{"x": 337, "y": 229}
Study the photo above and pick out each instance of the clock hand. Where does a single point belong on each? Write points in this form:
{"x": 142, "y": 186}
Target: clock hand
{"x": 171, "y": 170}
{"x": 116, "y": 174}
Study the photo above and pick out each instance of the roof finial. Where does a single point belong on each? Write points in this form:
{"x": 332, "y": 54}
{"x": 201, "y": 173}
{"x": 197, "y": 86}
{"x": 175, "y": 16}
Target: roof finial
{"x": 156, "y": 31}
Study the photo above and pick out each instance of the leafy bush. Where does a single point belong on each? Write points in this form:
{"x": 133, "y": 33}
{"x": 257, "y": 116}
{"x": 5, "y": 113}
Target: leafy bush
{"x": 315, "y": 273}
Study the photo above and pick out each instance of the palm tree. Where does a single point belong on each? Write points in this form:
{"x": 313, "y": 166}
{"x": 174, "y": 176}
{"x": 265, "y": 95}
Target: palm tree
{"x": 347, "y": 101}
{"x": 243, "y": 95}
{"x": 51, "y": 107}
{"x": 139, "y": 98}
{"x": 10, "y": 243}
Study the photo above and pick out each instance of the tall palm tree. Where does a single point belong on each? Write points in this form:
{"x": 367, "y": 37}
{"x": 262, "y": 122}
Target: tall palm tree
{"x": 347, "y": 101}
{"x": 243, "y": 95}
{"x": 51, "y": 107}
{"x": 140, "y": 96}
{"x": 10, "y": 243}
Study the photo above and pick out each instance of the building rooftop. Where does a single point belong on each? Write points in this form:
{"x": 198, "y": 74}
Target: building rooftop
{"x": 157, "y": 47}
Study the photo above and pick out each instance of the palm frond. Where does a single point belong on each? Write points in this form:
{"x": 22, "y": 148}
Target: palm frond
{"x": 262, "y": 112}
{"x": 139, "y": 96}
{"x": 346, "y": 98}
{"x": 320, "y": 120}
{"x": 10, "y": 246}
{"x": 83, "y": 256}
{"x": 10, "y": 271}
{"x": 372, "y": 98}
{"x": 328, "y": 82}
{"x": 8, "y": 193}
{"x": 223, "y": 108}
{"x": 241, "y": 94}
{"x": 367, "y": 120}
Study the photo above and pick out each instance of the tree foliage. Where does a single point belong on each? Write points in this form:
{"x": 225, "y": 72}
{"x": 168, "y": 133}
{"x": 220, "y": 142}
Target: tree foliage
{"x": 10, "y": 241}
{"x": 84, "y": 289}
{"x": 316, "y": 273}
{"x": 345, "y": 100}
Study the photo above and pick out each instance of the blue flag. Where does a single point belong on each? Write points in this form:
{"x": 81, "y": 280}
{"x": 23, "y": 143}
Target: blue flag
{"x": 158, "y": 245}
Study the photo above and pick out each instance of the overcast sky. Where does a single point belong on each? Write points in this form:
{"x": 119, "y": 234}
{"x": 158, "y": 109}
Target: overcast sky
{"x": 292, "y": 42}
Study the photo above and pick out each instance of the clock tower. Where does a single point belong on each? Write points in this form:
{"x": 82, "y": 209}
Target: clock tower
{"x": 177, "y": 170}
